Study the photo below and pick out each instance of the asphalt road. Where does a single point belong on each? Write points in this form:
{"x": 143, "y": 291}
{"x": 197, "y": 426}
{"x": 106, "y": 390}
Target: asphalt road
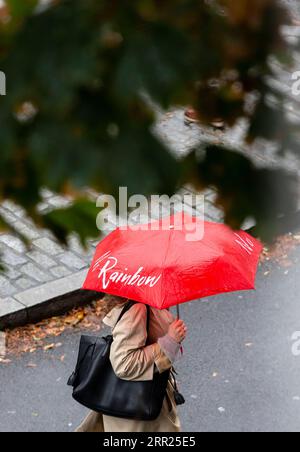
{"x": 238, "y": 372}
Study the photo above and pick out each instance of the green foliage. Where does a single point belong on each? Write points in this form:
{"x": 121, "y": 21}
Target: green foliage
{"x": 75, "y": 114}
{"x": 8, "y": 227}
{"x": 80, "y": 216}
{"x": 19, "y": 9}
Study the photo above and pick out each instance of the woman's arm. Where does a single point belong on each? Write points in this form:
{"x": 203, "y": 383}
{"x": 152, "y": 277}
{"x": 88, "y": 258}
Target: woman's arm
{"x": 130, "y": 357}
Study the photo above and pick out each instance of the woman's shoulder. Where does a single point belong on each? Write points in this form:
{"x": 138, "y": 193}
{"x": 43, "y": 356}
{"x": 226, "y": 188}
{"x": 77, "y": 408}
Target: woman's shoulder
{"x": 137, "y": 311}
{"x": 111, "y": 318}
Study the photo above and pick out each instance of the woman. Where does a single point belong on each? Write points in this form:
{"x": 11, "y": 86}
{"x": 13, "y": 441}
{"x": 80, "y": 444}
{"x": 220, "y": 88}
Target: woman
{"x": 135, "y": 356}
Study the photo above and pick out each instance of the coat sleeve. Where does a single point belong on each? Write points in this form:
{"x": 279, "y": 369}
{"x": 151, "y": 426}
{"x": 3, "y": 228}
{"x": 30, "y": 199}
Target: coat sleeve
{"x": 130, "y": 357}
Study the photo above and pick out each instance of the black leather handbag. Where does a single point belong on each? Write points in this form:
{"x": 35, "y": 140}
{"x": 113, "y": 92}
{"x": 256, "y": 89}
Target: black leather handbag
{"x": 96, "y": 386}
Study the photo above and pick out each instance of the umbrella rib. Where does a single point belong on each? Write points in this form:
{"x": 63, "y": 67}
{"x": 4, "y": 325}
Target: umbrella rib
{"x": 163, "y": 266}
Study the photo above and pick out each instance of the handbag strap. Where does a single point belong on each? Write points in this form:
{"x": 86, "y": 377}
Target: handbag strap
{"x": 124, "y": 310}
{"x": 129, "y": 306}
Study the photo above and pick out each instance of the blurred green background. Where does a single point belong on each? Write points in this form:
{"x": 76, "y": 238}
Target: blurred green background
{"x": 80, "y": 74}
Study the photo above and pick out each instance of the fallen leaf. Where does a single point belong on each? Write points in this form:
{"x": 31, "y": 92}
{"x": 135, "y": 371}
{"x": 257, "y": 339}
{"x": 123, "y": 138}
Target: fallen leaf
{"x": 5, "y": 361}
{"x": 31, "y": 337}
{"x": 280, "y": 251}
{"x": 48, "y": 347}
{"x": 79, "y": 317}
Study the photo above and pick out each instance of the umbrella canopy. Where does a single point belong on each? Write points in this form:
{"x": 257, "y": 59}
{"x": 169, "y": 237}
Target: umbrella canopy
{"x": 167, "y": 263}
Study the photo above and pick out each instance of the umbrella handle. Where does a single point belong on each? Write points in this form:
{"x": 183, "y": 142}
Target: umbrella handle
{"x": 178, "y": 317}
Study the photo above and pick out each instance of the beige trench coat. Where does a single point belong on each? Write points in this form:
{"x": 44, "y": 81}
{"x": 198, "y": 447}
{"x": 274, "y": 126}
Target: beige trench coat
{"x": 136, "y": 358}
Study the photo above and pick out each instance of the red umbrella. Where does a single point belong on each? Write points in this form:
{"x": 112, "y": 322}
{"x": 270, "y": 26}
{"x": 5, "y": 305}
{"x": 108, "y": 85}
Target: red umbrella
{"x": 174, "y": 260}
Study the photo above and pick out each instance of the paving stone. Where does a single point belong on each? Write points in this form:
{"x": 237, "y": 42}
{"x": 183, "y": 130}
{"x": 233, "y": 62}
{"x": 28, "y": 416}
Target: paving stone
{"x": 59, "y": 202}
{"x": 6, "y": 287}
{"x": 9, "y": 257}
{"x": 28, "y": 232}
{"x": 13, "y": 242}
{"x": 293, "y": 5}
{"x": 188, "y": 209}
{"x": 45, "y": 193}
{"x": 75, "y": 245}
{"x": 34, "y": 272}
{"x": 182, "y": 138}
{"x": 37, "y": 295}
{"x": 210, "y": 195}
{"x": 7, "y": 216}
{"x": 92, "y": 194}
{"x": 248, "y": 223}
{"x": 213, "y": 212}
{"x": 91, "y": 251}
{"x": 11, "y": 273}
{"x": 141, "y": 219}
{"x": 41, "y": 259}
{"x": 9, "y": 306}
{"x": 192, "y": 197}
{"x": 109, "y": 227}
{"x": 71, "y": 260}
{"x": 159, "y": 211}
{"x": 48, "y": 246}
{"x": 60, "y": 271}
{"x": 43, "y": 208}
{"x": 25, "y": 283}
{"x": 94, "y": 243}
{"x": 193, "y": 200}
{"x": 13, "y": 208}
